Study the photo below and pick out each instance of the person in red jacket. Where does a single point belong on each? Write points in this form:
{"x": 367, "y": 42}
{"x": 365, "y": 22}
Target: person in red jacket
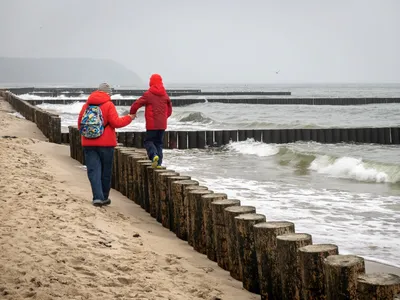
{"x": 99, "y": 151}
{"x": 158, "y": 108}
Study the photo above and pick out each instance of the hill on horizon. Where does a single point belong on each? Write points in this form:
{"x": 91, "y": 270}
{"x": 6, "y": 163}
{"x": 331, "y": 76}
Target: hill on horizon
{"x": 65, "y": 71}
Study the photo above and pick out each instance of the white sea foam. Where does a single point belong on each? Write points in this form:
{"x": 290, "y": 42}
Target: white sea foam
{"x": 252, "y": 147}
{"x": 348, "y": 167}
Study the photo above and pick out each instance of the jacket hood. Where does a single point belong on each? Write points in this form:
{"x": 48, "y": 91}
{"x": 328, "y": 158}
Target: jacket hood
{"x": 156, "y": 85}
{"x": 98, "y": 97}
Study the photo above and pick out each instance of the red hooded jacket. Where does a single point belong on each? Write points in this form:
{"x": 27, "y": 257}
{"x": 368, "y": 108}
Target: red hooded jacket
{"x": 157, "y": 102}
{"x": 110, "y": 118}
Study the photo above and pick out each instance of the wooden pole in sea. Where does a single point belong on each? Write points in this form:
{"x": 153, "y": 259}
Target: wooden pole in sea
{"x": 341, "y": 274}
{"x": 171, "y": 200}
{"x": 208, "y": 225}
{"x": 312, "y": 269}
{"x": 189, "y": 210}
{"x": 247, "y": 250}
{"x": 229, "y": 214}
{"x": 289, "y": 263}
{"x": 265, "y": 234}
{"x": 379, "y": 286}
{"x": 220, "y": 231}
{"x": 163, "y": 197}
{"x": 179, "y": 207}
{"x": 196, "y": 219}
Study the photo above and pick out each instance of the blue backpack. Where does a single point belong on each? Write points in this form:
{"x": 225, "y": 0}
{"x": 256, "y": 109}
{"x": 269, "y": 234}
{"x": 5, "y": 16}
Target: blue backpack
{"x": 92, "y": 123}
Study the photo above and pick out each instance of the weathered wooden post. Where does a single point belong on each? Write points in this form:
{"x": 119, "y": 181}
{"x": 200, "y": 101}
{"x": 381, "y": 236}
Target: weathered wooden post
{"x": 196, "y": 218}
{"x": 133, "y": 160}
{"x": 208, "y": 225}
{"x": 220, "y": 231}
{"x": 159, "y": 190}
{"x": 144, "y": 195}
{"x": 229, "y": 215}
{"x": 247, "y": 250}
{"x": 312, "y": 269}
{"x": 289, "y": 263}
{"x": 267, "y": 257}
{"x": 377, "y": 286}
{"x": 179, "y": 208}
{"x": 341, "y": 273}
{"x": 152, "y": 192}
{"x": 171, "y": 200}
{"x": 189, "y": 217}
{"x": 163, "y": 197}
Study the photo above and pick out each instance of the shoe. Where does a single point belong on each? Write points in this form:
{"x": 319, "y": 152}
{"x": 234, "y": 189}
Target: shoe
{"x": 97, "y": 202}
{"x": 107, "y": 202}
{"x": 155, "y": 161}
{"x": 159, "y": 167}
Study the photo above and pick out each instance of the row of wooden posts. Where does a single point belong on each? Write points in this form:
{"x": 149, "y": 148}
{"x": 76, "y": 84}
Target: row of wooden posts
{"x": 269, "y": 257}
{"x": 253, "y": 100}
{"x": 203, "y": 139}
{"x": 48, "y": 123}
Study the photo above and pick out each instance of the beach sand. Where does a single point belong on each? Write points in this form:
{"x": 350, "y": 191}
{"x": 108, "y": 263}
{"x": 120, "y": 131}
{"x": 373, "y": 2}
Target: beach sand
{"x": 55, "y": 245}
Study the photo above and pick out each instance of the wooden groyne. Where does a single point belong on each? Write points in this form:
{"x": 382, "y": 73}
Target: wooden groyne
{"x": 74, "y": 92}
{"x": 247, "y": 100}
{"x": 48, "y": 123}
{"x": 269, "y": 257}
{"x": 217, "y": 138}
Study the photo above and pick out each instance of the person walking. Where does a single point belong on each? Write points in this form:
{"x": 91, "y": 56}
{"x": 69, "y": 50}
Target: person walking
{"x": 97, "y": 121}
{"x": 158, "y": 108}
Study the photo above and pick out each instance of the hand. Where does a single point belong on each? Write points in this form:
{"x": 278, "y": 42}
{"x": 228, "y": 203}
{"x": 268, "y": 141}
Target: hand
{"x": 133, "y": 116}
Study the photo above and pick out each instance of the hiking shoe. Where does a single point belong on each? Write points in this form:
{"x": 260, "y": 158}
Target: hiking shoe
{"x": 107, "y": 202}
{"x": 159, "y": 167}
{"x": 97, "y": 202}
{"x": 155, "y": 161}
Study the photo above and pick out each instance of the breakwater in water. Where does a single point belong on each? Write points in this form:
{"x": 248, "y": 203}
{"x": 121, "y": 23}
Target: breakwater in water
{"x": 74, "y": 92}
{"x": 247, "y": 100}
{"x": 217, "y": 138}
{"x": 270, "y": 258}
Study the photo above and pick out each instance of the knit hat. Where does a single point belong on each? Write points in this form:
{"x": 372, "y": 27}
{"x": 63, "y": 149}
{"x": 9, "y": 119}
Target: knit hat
{"x": 105, "y": 87}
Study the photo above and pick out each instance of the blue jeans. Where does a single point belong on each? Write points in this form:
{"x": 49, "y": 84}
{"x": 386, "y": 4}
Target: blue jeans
{"x": 153, "y": 143}
{"x": 99, "y": 161}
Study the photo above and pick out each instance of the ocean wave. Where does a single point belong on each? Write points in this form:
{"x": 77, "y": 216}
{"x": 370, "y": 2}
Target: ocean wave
{"x": 345, "y": 167}
{"x": 195, "y": 117}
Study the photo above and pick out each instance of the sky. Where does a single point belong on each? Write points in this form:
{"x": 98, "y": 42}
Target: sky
{"x": 215, "y": 41}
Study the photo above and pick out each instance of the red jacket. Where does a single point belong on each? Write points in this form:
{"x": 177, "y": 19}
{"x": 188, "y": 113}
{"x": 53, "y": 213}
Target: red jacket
{"x": 158, "y": 105}
{"x": 110, "y": 118}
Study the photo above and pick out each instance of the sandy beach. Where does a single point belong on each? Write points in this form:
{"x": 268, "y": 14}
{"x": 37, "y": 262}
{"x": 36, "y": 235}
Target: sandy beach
{"x": 55, "y": 245}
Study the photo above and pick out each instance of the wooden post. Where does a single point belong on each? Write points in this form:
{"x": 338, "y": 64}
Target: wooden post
{"x": 171, "y": 200}
{"x": 379, "y": 286}
{"x": 160, "y": 191}
{"x": 220, "y": 238}
{"x": 138, "y": 178}
{"x": 267, "y": 257}
{"x": 144, "y": 199}
{"x": 179, "y": 207}
{"x": 289, "y": 263}
{"x": 208, "y": 225}
{"x": 132, "y": 183}
{"x": 229, "y": 215}
{"x": 341, "y": 273}
{"x": 186, "y": 192}
{"x": 312, "y": 269}
{"x": 150, "y": 183}
{"x": 247, "y": 250}
{"x": 196, "y": 218}
{"x": 163, "y": 197}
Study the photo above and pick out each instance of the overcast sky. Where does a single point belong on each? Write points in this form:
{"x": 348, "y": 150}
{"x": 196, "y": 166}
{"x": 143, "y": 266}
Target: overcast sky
{"x": 215, "y": 41}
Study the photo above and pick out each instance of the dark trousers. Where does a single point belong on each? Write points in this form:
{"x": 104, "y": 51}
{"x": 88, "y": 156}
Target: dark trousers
{"x": 99, "y": 161}
{"x": 153, "y": 143}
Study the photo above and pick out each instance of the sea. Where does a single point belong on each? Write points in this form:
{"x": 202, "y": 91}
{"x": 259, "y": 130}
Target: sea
{"x": 346, "y": 194}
